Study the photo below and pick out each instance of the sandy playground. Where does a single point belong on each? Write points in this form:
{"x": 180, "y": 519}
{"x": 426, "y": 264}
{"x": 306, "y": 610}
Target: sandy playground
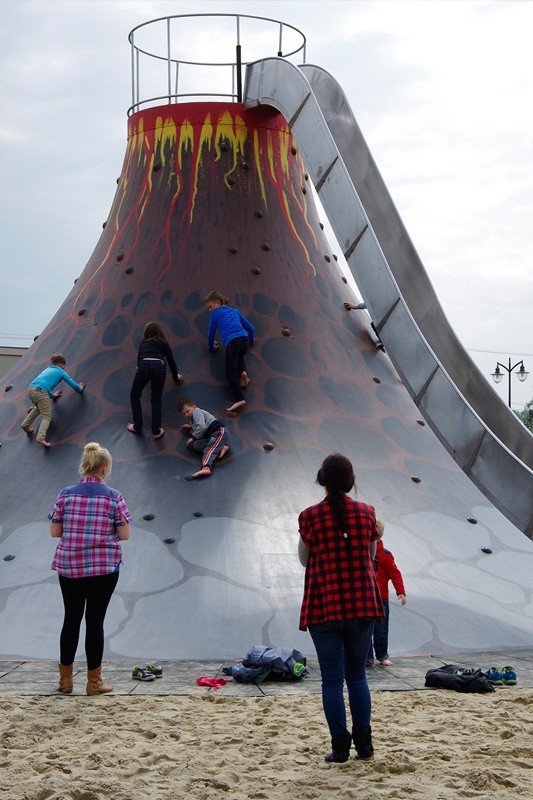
{"x": 432, "y": 745}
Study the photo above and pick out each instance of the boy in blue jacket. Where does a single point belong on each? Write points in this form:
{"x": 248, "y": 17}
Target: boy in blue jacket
{"x": 236, "y": 333}
{"x": 42, "y": 391}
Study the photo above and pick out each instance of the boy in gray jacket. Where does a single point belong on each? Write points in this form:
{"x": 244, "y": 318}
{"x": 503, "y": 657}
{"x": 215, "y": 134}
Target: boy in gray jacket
{"x": 207, "y": 435}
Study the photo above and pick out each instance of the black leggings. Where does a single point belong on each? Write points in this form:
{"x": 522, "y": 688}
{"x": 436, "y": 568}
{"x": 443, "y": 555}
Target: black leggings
{"x": 90, "y": 595}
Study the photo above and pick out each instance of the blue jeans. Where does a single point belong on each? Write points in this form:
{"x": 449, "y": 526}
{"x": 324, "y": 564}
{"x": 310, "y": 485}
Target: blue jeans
{"x": 380, "y": 635}
{"x": 236, "y": 349}
{"x": 341, "y": 648}
{"x": 155, "y": 375}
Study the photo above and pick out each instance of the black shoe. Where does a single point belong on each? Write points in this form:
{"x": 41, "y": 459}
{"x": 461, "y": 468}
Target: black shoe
{"x": 340, "y": 749}
{"x": 362, "y": 739}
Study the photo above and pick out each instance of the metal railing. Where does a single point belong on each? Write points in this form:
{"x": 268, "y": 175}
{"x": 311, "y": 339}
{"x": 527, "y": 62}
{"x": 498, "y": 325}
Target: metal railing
{"x": 170, "y": 54}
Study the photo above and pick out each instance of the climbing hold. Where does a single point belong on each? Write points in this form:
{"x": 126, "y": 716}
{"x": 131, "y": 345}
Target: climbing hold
{"x": 104, "y": 224}
{"x": 286, "y": 331}
{"x": 344, "y": 279}
{"x": 416, "y": 479}
{"x": 128, "y": 270}
{"x": 118, "y": 179}
{"x": 224, "y": 147}
{"x": 328, "y": 259}
{"x": 256, "y": 271}
{"x": 265, "y": 246}
{"x": 421, "y": 422}
{"x": 232, "y": 249}
{"x": 245, "y": 165}
{"x": 258, "y": 213}
{"x": 9, "y": 557}
{"x": 198, "y": 514}
{"x": 231, "y": 181}
{"x": 36, "y": 337}
{"x": 293, "y": 150}
{"x": 120, "y": 256}
{"x": 75, "y": 281}
{"x": 376, "y": 379}
{"x": 170, "y": 540}
{"x": 148, "y": 517}
{"x": 486, "y": 550}
{"x": 304, "y": 190}
{"x": 335, "y": 257}
{"x": 157, "y": 166}
{"x": 472, "y": 520}
{"x": 306, "y": 176}
{"x": 81, "y": 312}
{"x": 8, "y": 387}
{"x": 268, "y": 446}
{"x": 321, "y": 226}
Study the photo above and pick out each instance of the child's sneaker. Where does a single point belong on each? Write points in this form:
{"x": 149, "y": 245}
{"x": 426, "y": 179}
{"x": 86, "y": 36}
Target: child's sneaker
{"x": 155, "y": 670}
{"x": 494, "y": 676}
{"x": 509, "y": 676}
{"x": 141, "y": 674}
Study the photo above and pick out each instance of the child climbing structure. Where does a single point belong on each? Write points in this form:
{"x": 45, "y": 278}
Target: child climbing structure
{"x": 215, "y": 193}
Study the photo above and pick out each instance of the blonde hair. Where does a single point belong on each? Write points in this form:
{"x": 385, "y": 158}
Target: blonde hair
{"x": 94, "y": 458}
{"x": 381, "y": 528}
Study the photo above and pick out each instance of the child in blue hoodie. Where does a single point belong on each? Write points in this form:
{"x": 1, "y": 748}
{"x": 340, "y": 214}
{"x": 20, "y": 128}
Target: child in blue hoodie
{"x": 42, "y": 391}
{"x": 236, "y": 333}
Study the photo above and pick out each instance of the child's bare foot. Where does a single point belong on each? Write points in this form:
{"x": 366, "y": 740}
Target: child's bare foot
{"x": 43, "y": 442}
{"x": 160, "y": 434}
{"x": 131, "y": 428}
{"x": 245, "y": 380}
{"x": 28, "y": 431}
{"x": 205, "y": 472}
{"x": 236, "y": 406}
{"x": 223, "y": 452}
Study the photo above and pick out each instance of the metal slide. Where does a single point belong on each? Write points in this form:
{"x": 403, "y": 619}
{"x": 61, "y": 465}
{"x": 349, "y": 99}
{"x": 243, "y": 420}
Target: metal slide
{"x": 484, "y": 437}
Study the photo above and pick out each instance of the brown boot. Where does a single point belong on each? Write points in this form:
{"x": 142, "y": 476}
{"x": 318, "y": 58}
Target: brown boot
{"x": 95, "y": 684}
{"x": 65, "y": 679}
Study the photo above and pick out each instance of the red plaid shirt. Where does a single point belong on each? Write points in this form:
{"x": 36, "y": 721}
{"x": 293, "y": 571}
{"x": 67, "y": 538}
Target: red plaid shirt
{"x": 89, "y": 512}
{"x": 340, "y": 578}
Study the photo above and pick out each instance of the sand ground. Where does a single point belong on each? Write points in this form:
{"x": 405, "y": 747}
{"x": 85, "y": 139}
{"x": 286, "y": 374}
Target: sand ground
{"x": 432, "y": 745}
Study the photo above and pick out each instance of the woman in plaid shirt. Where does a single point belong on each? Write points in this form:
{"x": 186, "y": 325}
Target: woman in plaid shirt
{"x": 341, "y": 601}
{"x": 89, "y": 519}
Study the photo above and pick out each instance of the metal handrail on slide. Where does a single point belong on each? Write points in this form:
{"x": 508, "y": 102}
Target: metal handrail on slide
{"x": 494, "y": 468}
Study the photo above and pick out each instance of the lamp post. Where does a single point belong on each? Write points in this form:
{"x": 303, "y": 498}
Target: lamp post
{"x": 497, "y": 375}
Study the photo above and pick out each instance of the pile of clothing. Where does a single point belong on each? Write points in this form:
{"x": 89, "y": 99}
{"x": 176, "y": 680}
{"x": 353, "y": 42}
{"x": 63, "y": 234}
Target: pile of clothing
{"x": 272, "y": 663}
{"x": 469, "y": 679}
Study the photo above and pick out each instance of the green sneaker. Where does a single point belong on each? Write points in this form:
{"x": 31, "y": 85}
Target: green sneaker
{"x": 141, "y": 674}
{"x": 509, "y": 676}
{"x": 494, "y": 676}
{"x": 155, "y": 670}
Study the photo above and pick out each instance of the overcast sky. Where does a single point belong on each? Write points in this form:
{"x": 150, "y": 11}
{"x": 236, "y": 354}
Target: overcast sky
{"x": 443, "y": 92}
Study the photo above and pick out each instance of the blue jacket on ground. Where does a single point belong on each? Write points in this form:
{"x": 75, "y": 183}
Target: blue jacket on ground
{"x": 231, "y": 324}
{"x": 262, "y": 662}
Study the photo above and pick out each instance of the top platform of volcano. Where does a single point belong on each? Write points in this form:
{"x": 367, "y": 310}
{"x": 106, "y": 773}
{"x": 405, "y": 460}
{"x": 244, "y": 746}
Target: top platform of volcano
{"x": 202, "y": 55}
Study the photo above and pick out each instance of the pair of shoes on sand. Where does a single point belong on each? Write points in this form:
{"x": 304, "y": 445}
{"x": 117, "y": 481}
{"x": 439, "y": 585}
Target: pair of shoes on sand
{"x": 148, "y": 673}
{"x": 501, "y": 677}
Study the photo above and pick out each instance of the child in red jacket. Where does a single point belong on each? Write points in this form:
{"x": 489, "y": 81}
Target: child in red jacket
{"x": 387, "y": 571}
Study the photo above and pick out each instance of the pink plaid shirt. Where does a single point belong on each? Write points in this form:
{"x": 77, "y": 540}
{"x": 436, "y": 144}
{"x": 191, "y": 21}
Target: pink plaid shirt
{"x": 89, "y": 512}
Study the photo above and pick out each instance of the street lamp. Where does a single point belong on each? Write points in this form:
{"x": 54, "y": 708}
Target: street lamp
{"x": 497, "y": 375}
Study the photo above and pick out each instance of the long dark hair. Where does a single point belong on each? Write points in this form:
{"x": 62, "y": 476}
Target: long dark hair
{"x": 337, "y": 476}
{"x": 153, "y": 330}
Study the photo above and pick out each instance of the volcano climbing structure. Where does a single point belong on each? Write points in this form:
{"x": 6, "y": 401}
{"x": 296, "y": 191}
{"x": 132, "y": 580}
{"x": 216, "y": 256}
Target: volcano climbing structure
{"x": 217, "y": 196}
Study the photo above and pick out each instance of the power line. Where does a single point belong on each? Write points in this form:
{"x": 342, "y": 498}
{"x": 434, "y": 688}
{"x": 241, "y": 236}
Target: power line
{"x": 499, "y": 352}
